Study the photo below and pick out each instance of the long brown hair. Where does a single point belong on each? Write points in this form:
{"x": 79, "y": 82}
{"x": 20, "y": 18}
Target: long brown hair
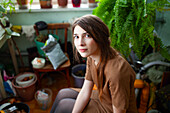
{"x": 100, "y": 33}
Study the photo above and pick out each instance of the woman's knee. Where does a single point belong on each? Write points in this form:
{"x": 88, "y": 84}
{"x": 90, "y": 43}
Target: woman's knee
{"x": 65, "y": 106}
{"x": 67, "y": 93}
{"x": 63, "y": 92}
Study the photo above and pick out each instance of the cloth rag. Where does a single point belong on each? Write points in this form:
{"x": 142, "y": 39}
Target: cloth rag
{"x": 28, "y": 31}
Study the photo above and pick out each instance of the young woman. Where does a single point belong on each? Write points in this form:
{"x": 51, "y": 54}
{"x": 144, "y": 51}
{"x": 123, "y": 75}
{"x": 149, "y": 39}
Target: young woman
{"x": 111, "y": 73}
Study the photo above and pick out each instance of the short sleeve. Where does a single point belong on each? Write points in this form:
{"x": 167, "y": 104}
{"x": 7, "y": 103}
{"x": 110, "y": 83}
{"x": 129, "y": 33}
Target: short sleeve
{"x": 88, "y": 75}
{"x": 119, "y": 87}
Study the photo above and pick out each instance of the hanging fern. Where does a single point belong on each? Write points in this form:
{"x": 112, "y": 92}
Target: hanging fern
{"x": 131, "y": 22}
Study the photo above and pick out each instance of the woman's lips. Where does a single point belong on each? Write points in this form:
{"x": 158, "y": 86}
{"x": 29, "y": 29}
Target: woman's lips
{"x": 82, "y": 50}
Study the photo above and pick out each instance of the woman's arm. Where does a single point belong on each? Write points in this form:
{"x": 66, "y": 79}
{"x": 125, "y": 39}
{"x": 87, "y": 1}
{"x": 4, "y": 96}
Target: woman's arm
{"x": 83, "y": 97}
{"x": 115, "y": 110}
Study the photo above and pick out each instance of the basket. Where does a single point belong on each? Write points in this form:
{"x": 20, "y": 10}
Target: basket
{"x": 26, "y": 93}
{"x": 25, "y": 83}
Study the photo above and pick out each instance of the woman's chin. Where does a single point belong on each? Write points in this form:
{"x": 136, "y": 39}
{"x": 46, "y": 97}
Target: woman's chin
{"x": 83, "y": 55}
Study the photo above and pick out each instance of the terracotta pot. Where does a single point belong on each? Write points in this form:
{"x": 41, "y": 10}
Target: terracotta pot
{"x": 62, "y": 3}
{"x": 46, "y": 4}
{"x": 23, "y": 4}
{"x": 92, "y": 3}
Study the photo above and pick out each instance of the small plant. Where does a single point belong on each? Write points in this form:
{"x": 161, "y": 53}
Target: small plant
{"x": 4, "y": 21}
{"x": 6, "y": 4}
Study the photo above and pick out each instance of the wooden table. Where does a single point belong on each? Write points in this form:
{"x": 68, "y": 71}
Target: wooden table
{"x": 3, "y": 39}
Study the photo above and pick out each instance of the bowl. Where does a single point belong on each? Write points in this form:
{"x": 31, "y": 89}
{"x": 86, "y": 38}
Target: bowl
{"x": 29, "y": 78}
{"x": 38, "y": 62}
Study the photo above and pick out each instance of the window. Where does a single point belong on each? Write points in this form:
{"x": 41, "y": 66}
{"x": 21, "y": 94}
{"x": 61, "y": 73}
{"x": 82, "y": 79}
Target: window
{"x": 35, "y": 4}
{"x": 54, "y": 1}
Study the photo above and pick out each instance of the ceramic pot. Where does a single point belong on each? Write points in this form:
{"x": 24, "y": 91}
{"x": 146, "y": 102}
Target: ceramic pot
{"x": 45, "y": 4}
{"x": 62, "y": 3}
{"x": 76, "y": 3}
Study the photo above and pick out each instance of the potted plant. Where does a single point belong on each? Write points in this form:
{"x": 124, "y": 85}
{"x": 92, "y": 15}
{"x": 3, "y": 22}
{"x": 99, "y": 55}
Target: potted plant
{"x": 131, "y": 25}
{"x": 4, "y": 21}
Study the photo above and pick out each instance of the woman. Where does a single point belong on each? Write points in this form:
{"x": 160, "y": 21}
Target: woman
{"x": 112, "y": 74}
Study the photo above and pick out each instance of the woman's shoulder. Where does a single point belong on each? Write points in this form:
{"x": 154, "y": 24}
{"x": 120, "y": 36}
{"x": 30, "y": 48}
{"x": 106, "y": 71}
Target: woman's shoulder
{"x": 118, "y": 61}
{"x": 118, "y": 67}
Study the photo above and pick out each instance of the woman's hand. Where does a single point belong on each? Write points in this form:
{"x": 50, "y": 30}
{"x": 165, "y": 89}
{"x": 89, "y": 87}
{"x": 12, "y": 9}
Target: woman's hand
{"x": 83, "y": 97}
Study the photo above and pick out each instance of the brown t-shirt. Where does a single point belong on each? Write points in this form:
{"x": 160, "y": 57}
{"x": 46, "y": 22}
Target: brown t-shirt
{"x": 118, "y": 88}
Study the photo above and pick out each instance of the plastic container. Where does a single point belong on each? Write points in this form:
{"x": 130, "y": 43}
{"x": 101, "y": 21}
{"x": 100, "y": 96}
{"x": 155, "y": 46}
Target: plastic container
{"x": 37, "y": 65}
{"x": 20, "y": 82}
{"x": 44, "y": 103}
{"x": 78, "y": 80}
{"x": 41, "y": 44}
{"x": 26, "y": 93}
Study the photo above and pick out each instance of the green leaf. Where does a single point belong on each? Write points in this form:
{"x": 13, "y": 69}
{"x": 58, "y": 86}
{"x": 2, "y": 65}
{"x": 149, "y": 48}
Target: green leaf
{"x": 2, "y": 9}
{"x": 130, "y": 21}
{"x": 3, "y": 21}
{"x": 8, "y": 31}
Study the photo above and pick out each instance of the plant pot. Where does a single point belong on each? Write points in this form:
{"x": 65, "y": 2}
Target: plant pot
{"x": 26, "y": 93}
{"x": 92, "y": 3}
{"x": 62, "y": 3}
{"x": 76, "y": 3}
{"x": 23, "y": 4}
{"x": 78, "y": 80}
{"x": 45, "y": 4}
{"x": 41, "y": 44}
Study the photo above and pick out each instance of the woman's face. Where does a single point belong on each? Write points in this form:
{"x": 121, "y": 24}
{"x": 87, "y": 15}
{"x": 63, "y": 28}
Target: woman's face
{"x": 84, "y": 43}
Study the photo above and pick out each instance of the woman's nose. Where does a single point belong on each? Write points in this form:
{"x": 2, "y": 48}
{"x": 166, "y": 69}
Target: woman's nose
{"x": 81, "y": 42}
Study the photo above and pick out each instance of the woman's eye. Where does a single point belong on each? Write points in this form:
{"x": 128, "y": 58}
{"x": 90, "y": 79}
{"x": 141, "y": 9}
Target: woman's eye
{"x": 87, "y": 35}
{"x": 76, "y": 37}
